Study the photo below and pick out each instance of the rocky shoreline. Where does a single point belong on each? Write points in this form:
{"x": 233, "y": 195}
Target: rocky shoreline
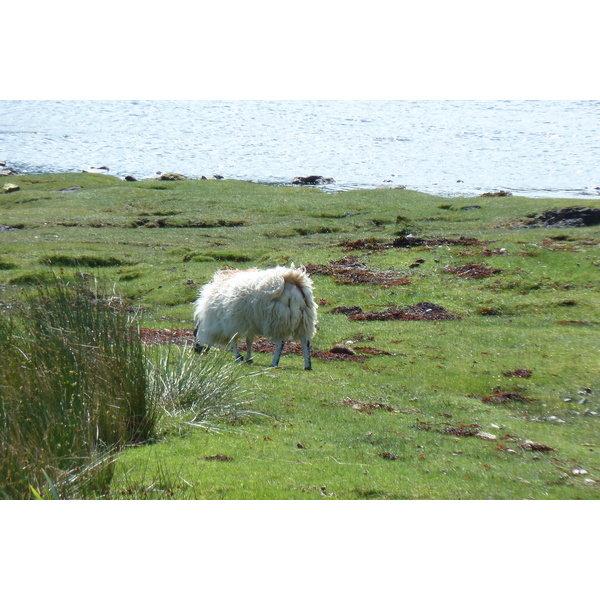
{"x": 311, "y": 180}
{"x": 301, "y": 180}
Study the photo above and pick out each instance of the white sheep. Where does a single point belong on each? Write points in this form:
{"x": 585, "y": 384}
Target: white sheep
{"x": 275, "y": 303}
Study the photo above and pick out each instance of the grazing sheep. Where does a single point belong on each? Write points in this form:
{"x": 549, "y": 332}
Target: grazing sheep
{"x": 275, "y": 303}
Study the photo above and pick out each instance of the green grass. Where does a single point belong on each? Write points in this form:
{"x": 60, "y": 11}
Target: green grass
{"x": 154, "y": 243}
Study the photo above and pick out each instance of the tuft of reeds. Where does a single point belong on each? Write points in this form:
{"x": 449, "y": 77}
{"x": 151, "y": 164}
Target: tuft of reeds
{"x": 73, "y": 390}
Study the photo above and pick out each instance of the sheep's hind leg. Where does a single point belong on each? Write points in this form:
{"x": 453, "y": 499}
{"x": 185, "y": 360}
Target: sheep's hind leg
{"x": 249, "y": 341}
{"x": 306, "y": 352}
{"x": 277, "y": 354}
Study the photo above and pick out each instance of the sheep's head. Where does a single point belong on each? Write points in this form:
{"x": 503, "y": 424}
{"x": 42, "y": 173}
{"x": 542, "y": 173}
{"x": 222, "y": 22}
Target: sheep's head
{"x": 200, "y": 348}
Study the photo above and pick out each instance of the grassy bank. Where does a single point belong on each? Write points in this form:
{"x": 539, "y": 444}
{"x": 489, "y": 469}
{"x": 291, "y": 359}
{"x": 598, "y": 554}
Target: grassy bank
{"x": 498, "y": 397}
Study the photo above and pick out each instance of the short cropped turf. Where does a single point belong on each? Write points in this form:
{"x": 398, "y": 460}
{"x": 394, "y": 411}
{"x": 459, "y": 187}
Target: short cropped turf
{"x": 498, "y": 397}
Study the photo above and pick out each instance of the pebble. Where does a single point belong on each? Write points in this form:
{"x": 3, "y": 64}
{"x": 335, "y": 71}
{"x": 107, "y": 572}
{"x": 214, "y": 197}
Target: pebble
{"x": 579, "y": 472}
{"x": 96, "y": 170}
{"x": 482, "y": 435}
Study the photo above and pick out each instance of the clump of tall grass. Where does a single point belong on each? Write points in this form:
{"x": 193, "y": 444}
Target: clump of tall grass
{"x": 197, "y": 390}
{"x": 77, "y": 385}
{"x": 73, "y": 390}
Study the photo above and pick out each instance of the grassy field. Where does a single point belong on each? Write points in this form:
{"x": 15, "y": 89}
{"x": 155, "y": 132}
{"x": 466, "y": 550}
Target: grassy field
{"x": 497, "y": 398}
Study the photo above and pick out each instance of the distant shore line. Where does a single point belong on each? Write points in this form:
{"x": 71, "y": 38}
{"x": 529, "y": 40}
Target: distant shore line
{"x": 326, "y": 184}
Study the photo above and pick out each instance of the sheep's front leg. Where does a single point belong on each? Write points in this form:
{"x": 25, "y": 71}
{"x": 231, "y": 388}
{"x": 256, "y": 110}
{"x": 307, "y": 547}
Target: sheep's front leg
{"x": 236, "y": 352}
{"x": 249, "y": 341}
{"x": 306, "y": 352}
{"x": 277, "y": 354}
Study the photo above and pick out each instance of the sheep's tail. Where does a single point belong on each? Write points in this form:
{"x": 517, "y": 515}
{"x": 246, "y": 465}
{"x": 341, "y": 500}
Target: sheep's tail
{"x": 297, "y": 296}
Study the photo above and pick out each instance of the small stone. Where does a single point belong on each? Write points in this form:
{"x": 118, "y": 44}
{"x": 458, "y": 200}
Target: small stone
{"x": 10, "y": 187}
{"x": 482, "y": 435}
{"x": 172, "y": 177}
{"x": 312, "y": 180}
{"x": 579, "y": 472}
{"x": 96, "y": 170}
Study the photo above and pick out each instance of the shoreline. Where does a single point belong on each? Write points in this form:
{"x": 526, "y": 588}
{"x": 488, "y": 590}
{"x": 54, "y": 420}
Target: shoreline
{"x": 324, "y": 183}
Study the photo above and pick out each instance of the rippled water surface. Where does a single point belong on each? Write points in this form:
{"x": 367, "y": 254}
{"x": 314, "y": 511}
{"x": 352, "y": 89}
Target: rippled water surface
{"x": 451, "y": 148}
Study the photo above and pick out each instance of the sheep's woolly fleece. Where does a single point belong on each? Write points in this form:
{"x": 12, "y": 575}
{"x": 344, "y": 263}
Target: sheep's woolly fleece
{"x": 276, "y": 303}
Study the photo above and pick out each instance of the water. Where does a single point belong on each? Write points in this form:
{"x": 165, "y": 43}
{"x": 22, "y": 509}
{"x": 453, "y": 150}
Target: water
{"x": 450, "y": 148}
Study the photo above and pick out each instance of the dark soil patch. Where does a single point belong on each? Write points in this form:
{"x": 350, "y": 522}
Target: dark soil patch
{"x": 342, "y": 349}
{"x": 365, "y": 244}
{"x": 472, "y": 271}
{"x": 524, "y": 373}
{"x": 372, "y": 351}
{"x": 463, "y": 430}
{"x": 349, "y": 270}
{"x": 220, "y": 457}
{"x": 506, "y": 397}
{"x": 409, "y": 241}
{"x": 346, "y": 310}
{"x": 424, "y": 311}
{"x": 389, "y": 456}
{"x": 422, "y": 426}
{"x": 155, "y": 337}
